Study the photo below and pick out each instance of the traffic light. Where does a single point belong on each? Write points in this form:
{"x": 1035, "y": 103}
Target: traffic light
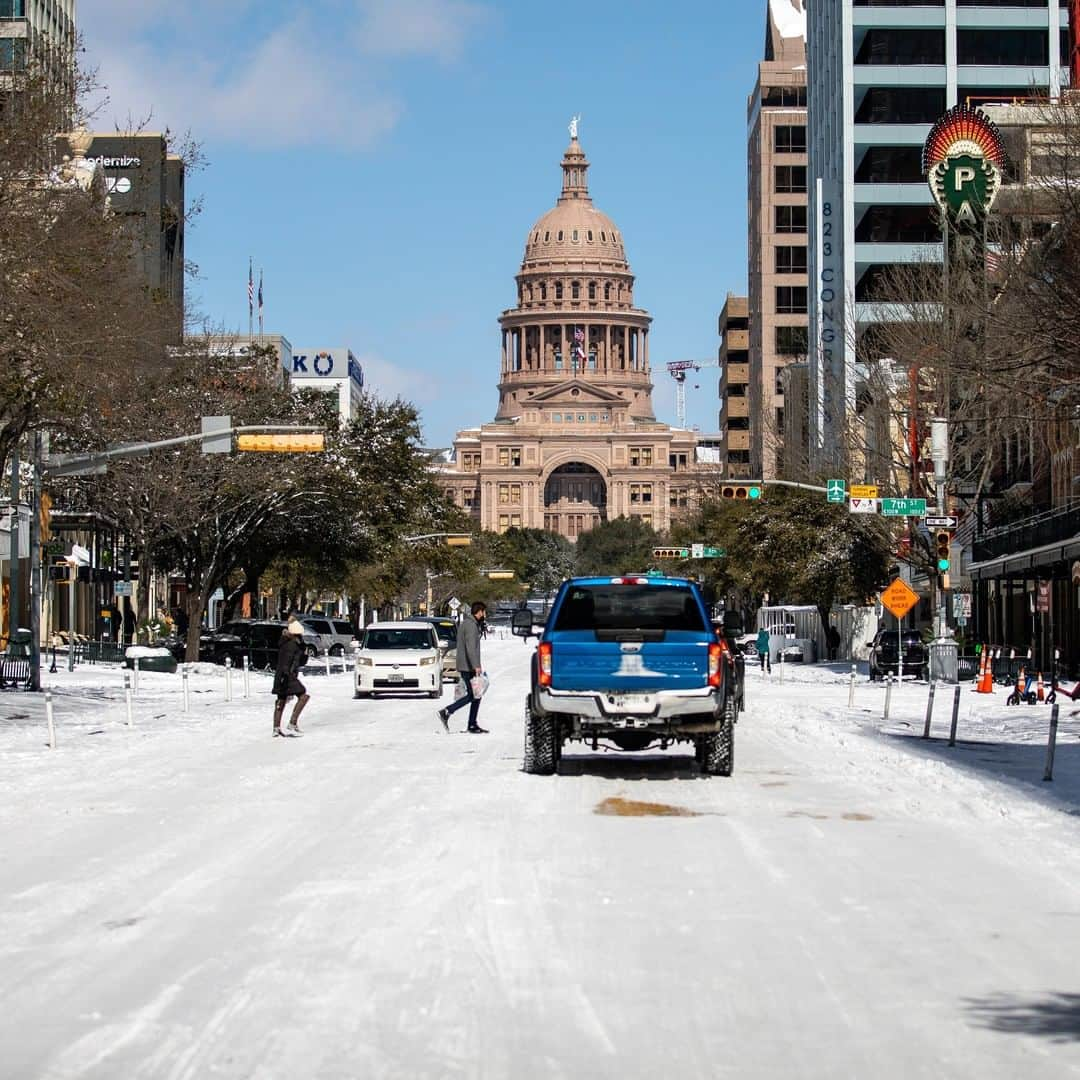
{"x": 500, "y": 575}
{"x": 670, "y": 553}
{"x": 458, "y": 541}
{"x": 748, "y": 490}
{"x": 942, "y": 544}
{"x": 308, "y": 443}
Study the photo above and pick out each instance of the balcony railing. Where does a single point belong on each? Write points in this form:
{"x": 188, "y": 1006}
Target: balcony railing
{"x": 1039, "y": 530}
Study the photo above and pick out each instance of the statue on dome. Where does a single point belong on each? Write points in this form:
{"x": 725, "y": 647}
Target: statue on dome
{"x": 574, "y": 121}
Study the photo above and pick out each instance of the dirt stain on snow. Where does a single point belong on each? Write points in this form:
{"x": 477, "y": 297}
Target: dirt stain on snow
{"x": 858, "y": 817}
{"x": 807, "y": 813}
{"x": 775, "y": 783}
{"x": 620, "y": 807}
{"x": 122, "y": 924}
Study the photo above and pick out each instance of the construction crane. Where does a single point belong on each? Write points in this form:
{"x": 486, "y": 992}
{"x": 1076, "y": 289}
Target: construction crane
{"x": 677, "y": 369}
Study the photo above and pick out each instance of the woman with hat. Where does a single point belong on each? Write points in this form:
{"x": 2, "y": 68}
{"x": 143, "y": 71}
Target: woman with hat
{"x": 291, "y": 658}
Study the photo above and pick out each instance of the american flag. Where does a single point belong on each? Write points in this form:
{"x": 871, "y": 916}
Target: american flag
{"x": 260, "y": 294}
{"x": 579, "y": 347}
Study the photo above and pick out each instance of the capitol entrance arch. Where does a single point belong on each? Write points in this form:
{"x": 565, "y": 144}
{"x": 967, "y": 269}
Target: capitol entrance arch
{"x": 575, "y": 500}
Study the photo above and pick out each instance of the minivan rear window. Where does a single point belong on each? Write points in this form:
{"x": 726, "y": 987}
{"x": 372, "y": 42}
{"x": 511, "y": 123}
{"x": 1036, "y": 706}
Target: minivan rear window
{"x": 630, "y": 607}
{"x": 342, "y": 627}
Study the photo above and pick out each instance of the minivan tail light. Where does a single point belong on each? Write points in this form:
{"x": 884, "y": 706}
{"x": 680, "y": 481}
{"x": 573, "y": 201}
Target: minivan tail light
{"x": 716, "y": 652}
{"x": 543, "y": 663}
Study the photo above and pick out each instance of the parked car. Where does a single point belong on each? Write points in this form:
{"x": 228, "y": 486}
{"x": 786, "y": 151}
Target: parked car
{"x": 257, "y": 639}
{"x": 446, "y": 628}
{"x": 398, "y": 656}
{"x": 335, "y": 635}
{"x": 885, "y": 652}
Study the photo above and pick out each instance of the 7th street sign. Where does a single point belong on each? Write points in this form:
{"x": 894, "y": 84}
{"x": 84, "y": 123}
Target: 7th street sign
{"x": 903, "y": 507}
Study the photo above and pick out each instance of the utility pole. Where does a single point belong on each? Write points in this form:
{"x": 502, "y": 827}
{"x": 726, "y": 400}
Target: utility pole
{"x": 939, "y": 450}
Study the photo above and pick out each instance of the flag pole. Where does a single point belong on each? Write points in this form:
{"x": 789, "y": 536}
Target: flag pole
{"x": 251, "y": 296}
{"x": 260, "y": 303}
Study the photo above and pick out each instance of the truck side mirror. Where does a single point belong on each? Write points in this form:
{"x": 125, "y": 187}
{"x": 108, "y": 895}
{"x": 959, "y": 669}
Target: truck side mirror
{"x": 521, "y": 623}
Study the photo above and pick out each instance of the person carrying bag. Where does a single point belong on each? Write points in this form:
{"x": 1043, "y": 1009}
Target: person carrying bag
{"x": 470, "y": 669}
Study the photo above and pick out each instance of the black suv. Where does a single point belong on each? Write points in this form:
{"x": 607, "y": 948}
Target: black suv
{"x": 257, "y": 639}
{"x": 884, "y": 651}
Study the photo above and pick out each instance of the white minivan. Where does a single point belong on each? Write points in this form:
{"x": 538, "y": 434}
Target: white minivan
{"x": 398, "y": 657}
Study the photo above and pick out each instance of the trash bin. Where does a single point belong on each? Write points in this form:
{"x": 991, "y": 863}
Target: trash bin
{"x": 944, "y": 660}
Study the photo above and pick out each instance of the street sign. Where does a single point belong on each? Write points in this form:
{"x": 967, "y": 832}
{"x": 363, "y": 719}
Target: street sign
{"x": 697, "y": 551}
{"x": 836, "y": 491}
{"x": 712, "y": 552}
{"x": 899, "y": 598}
{"x": 903, "y": 507}
{"x": 1044, "y": 596}
{"x": 940, "y": 521}
{"x": 863, "y": 506}
{"x": 864, "y": 491}
{"x": 454, "y": 603}
{"x": 961, "y": 605}
{"x": 123, "y": 588}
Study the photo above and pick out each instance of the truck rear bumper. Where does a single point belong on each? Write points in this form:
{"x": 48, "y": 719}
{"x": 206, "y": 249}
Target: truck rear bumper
{"x": 612, "y": 709}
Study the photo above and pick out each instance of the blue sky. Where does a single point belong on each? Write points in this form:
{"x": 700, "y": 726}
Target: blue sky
{"x": 382, "y": 160}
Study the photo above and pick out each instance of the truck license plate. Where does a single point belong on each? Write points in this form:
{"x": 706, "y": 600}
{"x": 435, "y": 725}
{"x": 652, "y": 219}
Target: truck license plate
{"x": 395, "y": 676}
{"x": 622, "y": 703}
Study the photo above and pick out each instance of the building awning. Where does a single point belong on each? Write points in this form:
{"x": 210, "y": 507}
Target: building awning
{"x": 1019, "y": 563}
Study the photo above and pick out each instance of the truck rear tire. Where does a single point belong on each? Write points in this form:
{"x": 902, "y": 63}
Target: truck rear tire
{"x": 540, "y": 750}
{"x": 718, "y": 750}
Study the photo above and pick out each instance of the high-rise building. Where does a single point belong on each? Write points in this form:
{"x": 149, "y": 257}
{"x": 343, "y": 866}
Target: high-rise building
{"x": 575, "y": 441}
{"x": 735, "y": 331}
{"x": 31, "y": 28}
{"x": 776, "y": 166}
{"x": 145, "y": 187}
{"x": 880, "y": 75}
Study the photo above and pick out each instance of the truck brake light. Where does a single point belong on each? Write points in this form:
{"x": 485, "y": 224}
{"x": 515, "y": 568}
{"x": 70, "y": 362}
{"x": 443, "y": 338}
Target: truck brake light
{"x": 716, "y": 652}
{"x": 543, "y": 663}
{"x": 629, "y": 581}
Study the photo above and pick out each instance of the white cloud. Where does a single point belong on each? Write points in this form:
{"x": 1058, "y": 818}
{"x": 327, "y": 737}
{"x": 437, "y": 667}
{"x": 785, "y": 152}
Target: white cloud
{"x": 296, "y": 83}
{"x": 386, "y": 380}
{"x": 437, "y": 28}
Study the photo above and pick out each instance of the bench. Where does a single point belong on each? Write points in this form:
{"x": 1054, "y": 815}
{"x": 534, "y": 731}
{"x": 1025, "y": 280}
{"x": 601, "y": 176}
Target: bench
{"x": 14, "y": 673}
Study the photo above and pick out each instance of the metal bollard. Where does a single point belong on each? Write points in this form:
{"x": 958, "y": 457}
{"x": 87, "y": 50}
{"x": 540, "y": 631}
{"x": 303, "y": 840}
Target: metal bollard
{"x": 955, "y": 715}
{"x": 127, "y": 699}
{"x": 851, "y": 689}
{"x": 1051, "y": 745}
{"x": 247, "y": 676}
{"x": 888, "y": 696}
{"x": 136, "y": 667}
{"x": 781, "y": 667}
{"x": 328, "y": 664}
{"x": 929, "y": 709}
{"x": 49, "y": 717}
{"x": 187, "y": 691}
{"x": 228, "y": 678}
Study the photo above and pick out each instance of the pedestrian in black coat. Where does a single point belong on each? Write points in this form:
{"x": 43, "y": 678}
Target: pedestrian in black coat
{"x": 291, "y": 658}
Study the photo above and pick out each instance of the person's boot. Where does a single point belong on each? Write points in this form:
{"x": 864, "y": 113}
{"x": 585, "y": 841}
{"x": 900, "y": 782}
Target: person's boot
{"x": 279, "y": 709}
{"x": 298, "y": 708}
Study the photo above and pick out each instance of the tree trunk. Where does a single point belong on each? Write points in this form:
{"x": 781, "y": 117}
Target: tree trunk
{"x": 142, "y": 609}
{"x": 193, "y": 604}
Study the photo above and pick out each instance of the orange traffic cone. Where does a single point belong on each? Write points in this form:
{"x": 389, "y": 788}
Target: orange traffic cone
{"x": 1021, "y": 682}
{"x": 986, "y": 678}
{"x": 1040, "y": 694}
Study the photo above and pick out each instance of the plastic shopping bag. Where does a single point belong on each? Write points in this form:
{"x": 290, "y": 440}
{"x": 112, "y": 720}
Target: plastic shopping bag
{"x": 479, "y": 684}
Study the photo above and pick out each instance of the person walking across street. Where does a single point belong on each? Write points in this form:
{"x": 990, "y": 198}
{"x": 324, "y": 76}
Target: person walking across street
{"x": 763, "y": 649}
{"x": 468, "y": 662}
{"x": 291, "y": 657}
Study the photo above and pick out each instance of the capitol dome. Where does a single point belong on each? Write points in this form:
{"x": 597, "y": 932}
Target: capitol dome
{"x": 574, "y": 231}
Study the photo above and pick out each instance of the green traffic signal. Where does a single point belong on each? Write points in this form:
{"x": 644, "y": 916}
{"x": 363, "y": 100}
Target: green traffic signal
{"x": 943, "y": 565}
{"x": 754, "y": 493}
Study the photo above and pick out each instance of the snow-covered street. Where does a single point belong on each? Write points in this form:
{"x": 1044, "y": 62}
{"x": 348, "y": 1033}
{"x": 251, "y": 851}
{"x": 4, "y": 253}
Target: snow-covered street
{"x": 187, "y": 897}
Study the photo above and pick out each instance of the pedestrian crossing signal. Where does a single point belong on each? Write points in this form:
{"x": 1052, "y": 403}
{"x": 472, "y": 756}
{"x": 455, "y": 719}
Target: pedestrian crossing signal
{"x": 942, "y": 546}
{"x": 740, "y": 491}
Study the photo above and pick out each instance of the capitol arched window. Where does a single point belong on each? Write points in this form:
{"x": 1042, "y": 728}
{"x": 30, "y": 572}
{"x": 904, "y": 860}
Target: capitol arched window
{"x": 588, "y": 236}
{"x": 603, "y": 237}
{"x": 547, "y": 236}
{"x": 574, "y": 236}
{"x": 558, "y": 290}
{"x": 575, "y": 290}
{"x": 607, "y": 290}
{"x": 543, "y": 290}
{"x": 559, "y": 235}
{"x": 592, "y": 290}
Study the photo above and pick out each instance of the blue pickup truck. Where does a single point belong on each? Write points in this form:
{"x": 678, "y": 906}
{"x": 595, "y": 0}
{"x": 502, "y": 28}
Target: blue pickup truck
{"x": 633, "y": 661}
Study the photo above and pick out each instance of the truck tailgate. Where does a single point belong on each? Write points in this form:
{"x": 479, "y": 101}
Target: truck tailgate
{"x": 581, "y": 662}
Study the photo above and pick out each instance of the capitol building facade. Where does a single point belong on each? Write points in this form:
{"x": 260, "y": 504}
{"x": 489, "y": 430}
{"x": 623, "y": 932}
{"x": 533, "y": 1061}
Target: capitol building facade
{"x": 574, "y": 441}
